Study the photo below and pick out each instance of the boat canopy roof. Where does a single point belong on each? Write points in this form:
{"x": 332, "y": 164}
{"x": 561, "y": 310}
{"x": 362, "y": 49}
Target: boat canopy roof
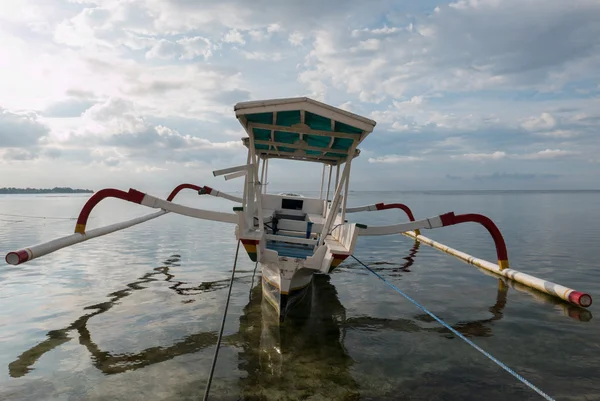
{"x": 301, "y": 129}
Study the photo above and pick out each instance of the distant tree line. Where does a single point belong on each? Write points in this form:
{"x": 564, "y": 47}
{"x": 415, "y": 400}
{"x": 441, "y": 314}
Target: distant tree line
{"x": 55, "y": 190}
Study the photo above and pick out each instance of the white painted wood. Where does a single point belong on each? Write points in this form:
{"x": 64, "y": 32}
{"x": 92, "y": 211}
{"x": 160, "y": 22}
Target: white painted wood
{"x": 294, "y": 233}
{"x": 309, "y": 205}
{"x": 235, "y": 175}
{"x": 156, "y": 203}
{"x": 336, "y": 247}
{"x": 35, "y": 251}
{"x": 364, "y": 208}
{"x": 335, "y": 203}
{"x": 433, "y": 222}
{"x": 542, "y": 285}
{"x": 322, "y": 182}
{"x": 347, "y": 235}
{"x": 345, "y": 199}
{"x": 294, "y": 240}
{"x": 245, "y": 193}
{"x": 258, "y": 166}
{"x": 316, "y": 218}
{"x": 257, "y": 194}
{"x": 295, "y": 225}
{"x": 250, "y": 211}
{"x": 223, "y": 195}
{"x": 229, "y": 170}
{"x": 266, "y": 176}
{"x": 262, "y": 173}
{"x": 328, "y": 183}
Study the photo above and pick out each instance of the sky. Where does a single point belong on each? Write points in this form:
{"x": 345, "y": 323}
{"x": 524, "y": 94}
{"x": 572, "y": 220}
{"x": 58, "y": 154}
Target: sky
{"x": 473, "y": 94}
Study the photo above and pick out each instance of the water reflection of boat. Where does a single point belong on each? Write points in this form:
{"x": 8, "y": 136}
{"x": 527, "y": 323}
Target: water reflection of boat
{"x": 303, "y": 356}
{"x": 312, "y": 337}
{"x": 105, "y": 361}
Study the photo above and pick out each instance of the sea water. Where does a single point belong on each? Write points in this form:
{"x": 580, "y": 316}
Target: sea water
{"x": 135, "y": 315}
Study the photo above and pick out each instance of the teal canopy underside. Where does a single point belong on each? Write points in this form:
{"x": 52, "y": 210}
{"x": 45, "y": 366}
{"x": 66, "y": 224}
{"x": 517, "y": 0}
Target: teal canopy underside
{"x": 314, "y": 122}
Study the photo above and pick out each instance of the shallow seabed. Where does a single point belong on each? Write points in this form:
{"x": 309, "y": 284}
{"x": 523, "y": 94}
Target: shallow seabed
{"x": 135, "y": 315}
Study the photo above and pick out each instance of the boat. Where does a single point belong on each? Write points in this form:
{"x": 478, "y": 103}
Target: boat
{"x": 294, "y": 237}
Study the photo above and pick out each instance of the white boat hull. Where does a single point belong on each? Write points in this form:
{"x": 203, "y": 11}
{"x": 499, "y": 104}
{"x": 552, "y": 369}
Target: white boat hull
{"x": 284, "y": 291}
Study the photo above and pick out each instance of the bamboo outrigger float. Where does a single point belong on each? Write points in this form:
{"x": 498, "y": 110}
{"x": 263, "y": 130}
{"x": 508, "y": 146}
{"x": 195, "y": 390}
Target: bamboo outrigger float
{"x": 294, "y": 237}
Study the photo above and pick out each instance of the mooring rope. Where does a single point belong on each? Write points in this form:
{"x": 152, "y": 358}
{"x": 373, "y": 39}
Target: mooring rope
{"x": 456, "y": 333}
{"x": 38, "y": 217}
{"x": 214, "y": 361}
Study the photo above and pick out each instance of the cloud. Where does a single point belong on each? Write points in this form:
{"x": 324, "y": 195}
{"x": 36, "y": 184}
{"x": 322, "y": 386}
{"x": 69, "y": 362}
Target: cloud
{"x": 541, "y": 155}
{"x": 234, "y": 36}
{"x": 296, "y": 38}
{"x": 150, "y": 82}
{"x": 73, "y": 107}
{"x": 560, "y": 133}
{"x": 52, "y": 153}
{"x": 187, "y": 48}
{"x": 464, "y": 46}
{"x": 111, "y": 161}
{"x": 17, "y": 154}
{"x": 497, "y": 176}
{"x": 149, "y": 169}
{"x": 166, "y": 138}
{"x": 548, "y": 154}
{"x": 545, "y": 121}
{"x": 262, "y": 56}
{"x": 394, "y": 159}
{"x": 481, "y": 156}
{"x": 503, "y": 176}
{"x": 20, "y": 129}
{"x": 453, "y": 177}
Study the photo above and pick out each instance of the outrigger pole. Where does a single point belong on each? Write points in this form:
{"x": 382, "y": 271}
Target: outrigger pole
{"x": 81, "y": 235}
{"x": 502, "y": 269}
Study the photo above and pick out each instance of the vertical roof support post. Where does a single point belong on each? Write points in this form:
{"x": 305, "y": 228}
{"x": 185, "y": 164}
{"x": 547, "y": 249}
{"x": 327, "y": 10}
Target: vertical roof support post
{"x": 252, "y": 183}
{"x": 266, "y": 176}
{"x": 258, "y": 185}
{"x": 262, "y": 173}
{"x": 337, "y": 175}
{"x": 345, "y": 196}
{"x": 335, "y": 203}
{"x": 258, "y": 166}
{"x": 245, "y": 194}
{"x": 322, "y": 182}
{"x": 328, "y": 183}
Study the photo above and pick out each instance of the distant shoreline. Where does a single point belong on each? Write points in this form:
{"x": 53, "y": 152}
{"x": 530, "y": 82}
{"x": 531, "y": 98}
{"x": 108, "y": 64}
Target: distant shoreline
{"x": 55, "y": 190}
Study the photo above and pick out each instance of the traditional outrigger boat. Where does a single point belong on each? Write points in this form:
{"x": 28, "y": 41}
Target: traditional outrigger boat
{"x": 294, "y": 237}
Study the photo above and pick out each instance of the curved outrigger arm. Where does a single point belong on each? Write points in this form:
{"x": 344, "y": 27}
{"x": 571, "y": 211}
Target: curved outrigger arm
{"x": 444, "y": 220}
{"x": 134, "y": 196}
{"x": 382, "y": 206}
{"x": 141, "y": 198}
{"x": 213, "y": 192}
{"x": 502, "y": 269}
